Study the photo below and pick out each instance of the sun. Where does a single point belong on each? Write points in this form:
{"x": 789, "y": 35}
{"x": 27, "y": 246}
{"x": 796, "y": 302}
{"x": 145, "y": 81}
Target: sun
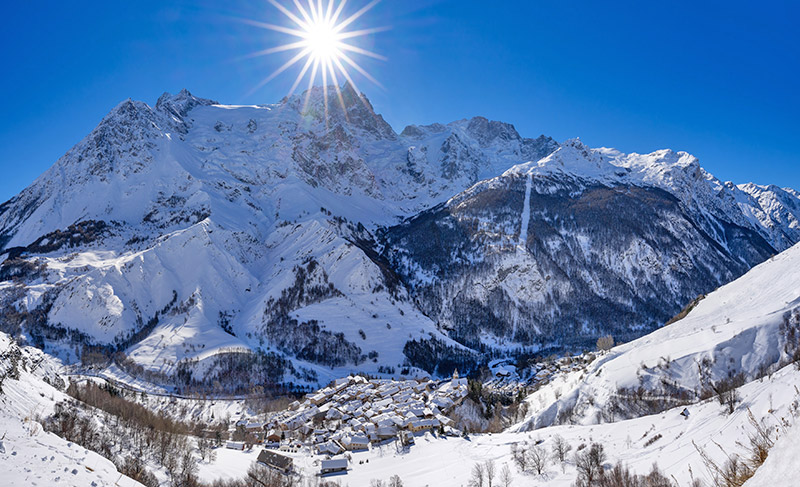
{"x": 323, "y": 41}
{"x": 320, "y": 35}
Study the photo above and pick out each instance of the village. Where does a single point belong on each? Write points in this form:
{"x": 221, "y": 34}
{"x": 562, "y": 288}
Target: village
{"x": 353, "y": 414}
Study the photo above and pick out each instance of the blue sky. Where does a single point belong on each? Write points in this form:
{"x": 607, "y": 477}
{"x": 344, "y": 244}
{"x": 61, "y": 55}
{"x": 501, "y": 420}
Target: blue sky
{"x": 717, "y": 79}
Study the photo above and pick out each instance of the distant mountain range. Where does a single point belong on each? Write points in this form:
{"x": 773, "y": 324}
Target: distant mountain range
{"x": 202, "y": 240}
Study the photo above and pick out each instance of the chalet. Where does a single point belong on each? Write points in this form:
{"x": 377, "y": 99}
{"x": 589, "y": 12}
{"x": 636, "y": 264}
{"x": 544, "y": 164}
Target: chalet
{"x": 329, "y": 448}
{"x": 423, "y": 424}
{"x": 274, "y": 436}
{"x": 333, "y": 413}
{"x": 444, "y": 420}
{"x": 386, "y": 432}
{"x": 443, "y": 402}
{"x": 318, "y": 398}
{"x": 355, "y": 442}
{"x": 275, "y": 460}
{"x": 333, "y": 466}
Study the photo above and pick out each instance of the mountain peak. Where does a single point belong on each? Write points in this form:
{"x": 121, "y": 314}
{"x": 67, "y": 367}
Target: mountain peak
{"x": 486, "y": 131}
{"x": 180, "y": 104}
{"x": 352, "y": 109}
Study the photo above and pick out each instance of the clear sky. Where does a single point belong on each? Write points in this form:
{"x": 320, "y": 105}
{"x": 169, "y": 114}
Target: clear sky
{"x": 717, "y": 79}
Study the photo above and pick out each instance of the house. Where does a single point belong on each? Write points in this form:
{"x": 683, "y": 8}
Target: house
{"x": 443, "y": 402}
{"x": 334, "y": 413}
{"x": 340, "y": 384}
{"x": 318, "y": 398}
{"x": 355, "y": 442}
{"x": 333, "y": 466}
{"x": 329, "y": 448}
{"x": 386, "y": 432}
{"x": 274, "y": 436}
{"x": 234, "y": 445}
{"x": 444, "y": 420}
{"x": 275, "y": 460}
{"x": 423, "y": 424}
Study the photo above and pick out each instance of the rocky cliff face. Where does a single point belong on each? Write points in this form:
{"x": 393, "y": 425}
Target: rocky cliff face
{"x": 191, "y": 233}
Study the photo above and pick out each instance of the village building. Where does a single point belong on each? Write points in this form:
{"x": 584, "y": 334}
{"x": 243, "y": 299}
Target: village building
{"x": 273, "y": 436}
{"x": 276, "y": 461}
{"x": 354, "y": 442}
{"x": 333, "y": 466}
{"x": 234, "y": 445}
{"x": 329, "y": 448}
{"x": 353, "y": 412}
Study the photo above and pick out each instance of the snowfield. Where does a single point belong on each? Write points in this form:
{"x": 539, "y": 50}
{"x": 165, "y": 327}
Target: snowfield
{"x": 735, "y": 329}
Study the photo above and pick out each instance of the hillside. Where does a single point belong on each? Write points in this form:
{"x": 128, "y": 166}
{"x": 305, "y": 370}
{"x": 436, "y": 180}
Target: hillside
{"x": 741, "y": 332}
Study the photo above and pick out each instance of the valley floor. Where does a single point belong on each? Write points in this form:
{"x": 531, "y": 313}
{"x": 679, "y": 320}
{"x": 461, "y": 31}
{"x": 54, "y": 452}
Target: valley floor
{"x": 29, "y": 456}
{"x": 667, "y": 439}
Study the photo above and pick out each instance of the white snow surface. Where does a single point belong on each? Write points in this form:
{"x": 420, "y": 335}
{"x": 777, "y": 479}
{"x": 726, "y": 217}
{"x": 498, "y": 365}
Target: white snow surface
{"x": 28, "y": 455}
{"x": 736, "y": 327}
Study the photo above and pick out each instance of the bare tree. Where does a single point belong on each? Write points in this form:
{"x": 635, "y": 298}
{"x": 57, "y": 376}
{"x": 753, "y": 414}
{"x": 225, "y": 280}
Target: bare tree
{"x": 520, "y": 456}
{"x": 537, "y": 458}
{"x": 478, "y": 478}
{"x": 491, "y": 470}
{"x": 589, "y": 464}
{"x": 505, "y": 476}
{"x": 259, "y": 475}
{"x": 205, "y": 448}
{"x": 605, "y": 343}
{"x": 561, "y": 449}
{"x": 394, "y": 481}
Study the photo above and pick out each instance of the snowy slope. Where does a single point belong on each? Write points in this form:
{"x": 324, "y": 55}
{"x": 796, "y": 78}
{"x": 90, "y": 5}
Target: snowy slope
{"x": 448, "y": 461}
{"x": 28, "y": 455}
{"x": 736, "y": 329}
{"x": 781, "y": 465}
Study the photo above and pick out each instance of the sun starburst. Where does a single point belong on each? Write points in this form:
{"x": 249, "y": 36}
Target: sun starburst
{"x": 322, "y": 40}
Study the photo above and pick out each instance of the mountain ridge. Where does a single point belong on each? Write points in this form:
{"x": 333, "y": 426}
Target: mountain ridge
{"x": 185, "y": 231}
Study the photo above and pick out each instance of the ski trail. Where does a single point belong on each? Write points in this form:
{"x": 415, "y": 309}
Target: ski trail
{"x": 526, "y": 216}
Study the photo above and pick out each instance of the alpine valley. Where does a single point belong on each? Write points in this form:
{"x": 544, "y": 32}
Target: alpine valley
{"x": 286, "y": 246}
{"x": 209, "y": 295}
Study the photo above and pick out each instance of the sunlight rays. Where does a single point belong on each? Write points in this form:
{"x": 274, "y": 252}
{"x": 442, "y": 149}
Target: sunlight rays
{"x": 320, "y": 38}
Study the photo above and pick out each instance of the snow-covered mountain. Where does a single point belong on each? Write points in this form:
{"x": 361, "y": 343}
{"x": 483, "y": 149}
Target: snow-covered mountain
{"x": 585, "y": 242}
{"x": 190, "y": 233}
